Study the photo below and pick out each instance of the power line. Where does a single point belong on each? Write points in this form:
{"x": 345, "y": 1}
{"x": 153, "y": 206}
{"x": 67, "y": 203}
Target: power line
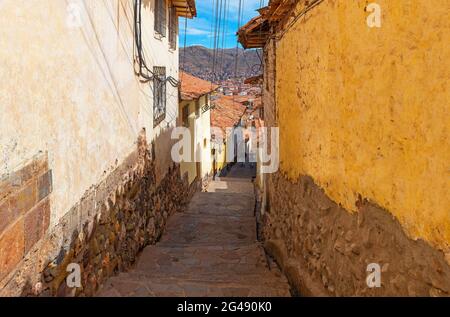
{"x": 224, "y": 33}
{"x": 144, "y": 72}
{"x": 218, "y": 19}
{"x": 237, "y": 40}
{"x": 220, "y": 31}
{"x": 185, "y": 39}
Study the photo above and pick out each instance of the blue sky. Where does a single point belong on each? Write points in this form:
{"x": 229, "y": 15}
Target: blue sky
{"x": 199, "y": 30}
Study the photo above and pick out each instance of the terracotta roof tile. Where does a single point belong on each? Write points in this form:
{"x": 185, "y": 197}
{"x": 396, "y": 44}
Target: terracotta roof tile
{"x": 227, "y": 112}
{"x": 193, "y": 87}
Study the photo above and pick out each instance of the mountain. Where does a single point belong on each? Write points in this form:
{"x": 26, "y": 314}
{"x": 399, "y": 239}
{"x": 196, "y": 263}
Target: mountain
{"x": 198, "y": 61}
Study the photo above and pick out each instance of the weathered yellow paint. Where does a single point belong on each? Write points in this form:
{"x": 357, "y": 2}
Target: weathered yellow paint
{"x": 366, "y": 110}
{"x": 222, "y": 157}
{"x": 199, "y": 128}
{"x": 220, "y": 147}
{"x": 190, "y": 166}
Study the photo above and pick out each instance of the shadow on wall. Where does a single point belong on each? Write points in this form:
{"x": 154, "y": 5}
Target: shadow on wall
{"x": 325, "y": 251}
{"x": 148, "y": 4}
{"x": 162, "y": 150}
{"x": 106, "y": 230}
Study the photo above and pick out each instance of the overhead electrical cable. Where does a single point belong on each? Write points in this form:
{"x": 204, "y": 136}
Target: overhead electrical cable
{"x": 216, "y": 35}
{"x": 237, "y": 41}
{"x": 224, "y": 34}
{"x": 144, "y": 71}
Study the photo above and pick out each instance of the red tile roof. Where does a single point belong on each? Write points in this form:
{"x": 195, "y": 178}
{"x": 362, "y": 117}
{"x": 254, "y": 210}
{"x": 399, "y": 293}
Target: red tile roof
{"x": 227, "y": 112}
{"x": 193, "y": 87}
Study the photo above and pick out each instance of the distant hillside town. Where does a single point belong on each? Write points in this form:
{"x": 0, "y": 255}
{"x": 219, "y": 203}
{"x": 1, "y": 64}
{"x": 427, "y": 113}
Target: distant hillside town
{"x": 220, "y": 65}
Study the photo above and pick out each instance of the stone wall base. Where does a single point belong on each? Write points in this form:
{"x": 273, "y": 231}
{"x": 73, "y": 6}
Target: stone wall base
{"x": 104, "y": 232}
{"x": 325, "y": 250}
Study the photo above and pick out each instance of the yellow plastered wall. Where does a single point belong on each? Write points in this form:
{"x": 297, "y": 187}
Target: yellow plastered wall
{"x": 366, "y": 110}
{"x": 200, "y": 134}
{"x": 189, "y": 167}
{"x": 221, "y": 155}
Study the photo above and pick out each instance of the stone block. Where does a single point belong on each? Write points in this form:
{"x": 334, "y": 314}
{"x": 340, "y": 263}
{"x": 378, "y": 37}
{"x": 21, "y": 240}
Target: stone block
{"x": 12, "y": 246}
{"x": 4, "y": 215}
{"x": 45, "y": 185}
{"x": 347, "y": 243}
{"x": 35, "y": 224}
{"x": 102, "y": 245}
{"x": 14, "y": 181}
{"x": 24, "y": 200}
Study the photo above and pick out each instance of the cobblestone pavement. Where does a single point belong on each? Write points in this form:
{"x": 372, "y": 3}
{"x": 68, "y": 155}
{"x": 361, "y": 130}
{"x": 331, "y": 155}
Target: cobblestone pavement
{"x": 209, "y": 250}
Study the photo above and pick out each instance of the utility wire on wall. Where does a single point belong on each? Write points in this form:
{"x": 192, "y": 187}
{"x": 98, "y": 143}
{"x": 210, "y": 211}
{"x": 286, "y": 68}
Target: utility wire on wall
{"x": 144, "y": 71}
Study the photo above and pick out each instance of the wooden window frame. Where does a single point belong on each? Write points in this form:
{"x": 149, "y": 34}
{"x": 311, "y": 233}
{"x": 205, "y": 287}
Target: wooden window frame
{"x": 173, "y": 28}
{"x": 161, "y": 17}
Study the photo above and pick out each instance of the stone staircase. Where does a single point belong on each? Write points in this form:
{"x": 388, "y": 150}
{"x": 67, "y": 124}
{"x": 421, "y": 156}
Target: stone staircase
{"x": 209, "y": 250}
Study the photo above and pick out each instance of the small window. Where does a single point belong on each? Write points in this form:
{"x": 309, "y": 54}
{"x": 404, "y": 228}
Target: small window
{"x": 173, "y": 28}
{"x": 197, "y": 108}
{"x": 159, "y": 95}
{"x": 160, "y": 17}
{"x": 186, "y": 116}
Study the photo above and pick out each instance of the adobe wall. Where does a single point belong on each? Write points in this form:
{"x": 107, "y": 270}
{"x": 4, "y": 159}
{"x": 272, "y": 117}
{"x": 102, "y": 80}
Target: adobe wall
{"x": 364, "y": 155}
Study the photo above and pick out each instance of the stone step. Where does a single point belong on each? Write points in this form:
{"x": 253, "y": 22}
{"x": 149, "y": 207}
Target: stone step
{"x": 244, "y": 277}
{"x": 230, "y": 179}
{"x": 240, "y": 273}
{"x": 211, "y": 249}
{"x": 222, "y": 204}
{"x": 189, "y": 230}
{"x": 231, "y": 186}
{"x": 205, "y": 263}
{"x": 177, "y": 288}
{"x": 135, "y": 285}
{"x": 201, "y": 256}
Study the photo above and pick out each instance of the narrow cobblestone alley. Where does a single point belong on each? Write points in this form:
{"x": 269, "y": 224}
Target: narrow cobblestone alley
{"x": 211, "y": 249}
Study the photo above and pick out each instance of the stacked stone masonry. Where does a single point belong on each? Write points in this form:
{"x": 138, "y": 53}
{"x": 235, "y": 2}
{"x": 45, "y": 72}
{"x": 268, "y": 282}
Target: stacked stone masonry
{"x": 104, "y": 232}
{"x": 24, "y": 211}
{"x": 324, "y": 250}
